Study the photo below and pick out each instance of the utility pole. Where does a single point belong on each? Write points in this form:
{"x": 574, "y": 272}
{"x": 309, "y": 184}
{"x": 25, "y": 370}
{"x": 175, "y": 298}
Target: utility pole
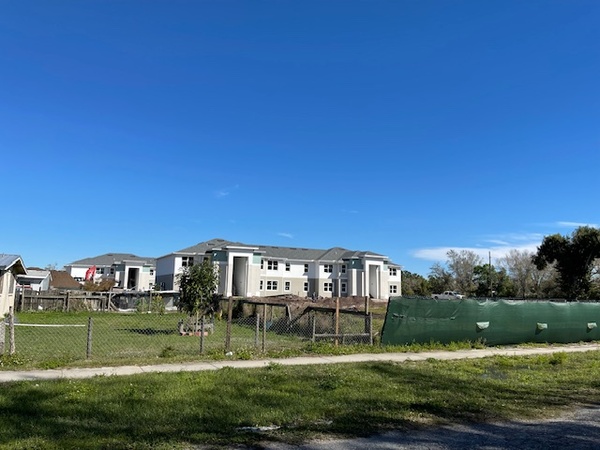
{"x": 490, "y": 272}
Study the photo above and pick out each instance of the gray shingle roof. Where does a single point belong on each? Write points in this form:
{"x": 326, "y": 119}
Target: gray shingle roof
{"x": 291, "y": 253}
{"x": 203, "y": 247}
{"x": 109, "y": 259}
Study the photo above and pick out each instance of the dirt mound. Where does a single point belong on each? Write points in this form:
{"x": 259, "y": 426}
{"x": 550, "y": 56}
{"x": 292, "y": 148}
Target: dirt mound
{"x": 300, "y": 303}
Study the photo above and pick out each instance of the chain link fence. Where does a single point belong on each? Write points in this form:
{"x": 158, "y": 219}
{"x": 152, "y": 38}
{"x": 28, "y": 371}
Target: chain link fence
{"x": 144, "y": 331}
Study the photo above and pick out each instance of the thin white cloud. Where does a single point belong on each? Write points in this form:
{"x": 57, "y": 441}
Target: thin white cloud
{"x": 496, "y": 246}
{"x": 497, "y": 242}
{"x": 226, "y": 191}
{"x": 567, "y": 224}
{"x": 512, "y": 238}
{"x": 432, "y": 254}
{"x": 440, "y": 254}
{"x": 286, "y": 235}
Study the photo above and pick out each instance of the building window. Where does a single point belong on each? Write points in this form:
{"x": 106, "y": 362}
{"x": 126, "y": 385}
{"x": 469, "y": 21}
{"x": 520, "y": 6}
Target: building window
{"x": 393, "y": 271}
{"x": 271, "y": 285}
{"x": 305, "y": 268}
{"x": 328, "y": 287}
{"x": 262, "y": 264}
{"x": 100, "y": 270}
{"x": 287, "y": 286}
{"x": 271, "y": 265}
{"x": 287, "y": 267}
{"x": 328, "y": 268}
{"x": 151, "y": 272}
{"x": 343, "y": 288}
{"x": 187, "y": 261}
{"x": 261, "y": 285}
{"x": 112, "y": 271}
{"x": 343, "y": 268}
{"x": 393, "y": 289}
{"x": 11, "y": 285}
{"x": 305, "y": 286}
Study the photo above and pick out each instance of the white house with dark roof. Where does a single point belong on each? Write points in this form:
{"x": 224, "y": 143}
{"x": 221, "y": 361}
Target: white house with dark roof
{"x": 11, "y": 266}
{"x": 129, "y": 271}
{"x": 36, "y": 279}
{"x": 260, "y": 271}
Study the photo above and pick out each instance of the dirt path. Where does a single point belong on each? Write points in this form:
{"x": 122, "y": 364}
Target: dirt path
{"x": 578, "y": 429}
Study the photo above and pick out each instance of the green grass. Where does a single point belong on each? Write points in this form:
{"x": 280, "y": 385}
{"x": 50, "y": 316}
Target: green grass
{"x": 128, "y": 339}
{"x": 183, "y": 410}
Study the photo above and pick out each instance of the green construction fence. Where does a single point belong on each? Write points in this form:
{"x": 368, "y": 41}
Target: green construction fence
{"x": 422, "y": 320}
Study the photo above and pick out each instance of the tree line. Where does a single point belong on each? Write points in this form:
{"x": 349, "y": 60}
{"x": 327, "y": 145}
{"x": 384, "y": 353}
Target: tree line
{"x": 562, "y": 267}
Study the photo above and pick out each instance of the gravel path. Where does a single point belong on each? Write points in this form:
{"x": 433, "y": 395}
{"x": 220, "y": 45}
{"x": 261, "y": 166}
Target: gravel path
{"x": 579, "y": 429}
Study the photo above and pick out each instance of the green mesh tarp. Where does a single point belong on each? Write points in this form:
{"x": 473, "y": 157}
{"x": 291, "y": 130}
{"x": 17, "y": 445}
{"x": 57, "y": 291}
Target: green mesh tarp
{"x": 423, "y": 320}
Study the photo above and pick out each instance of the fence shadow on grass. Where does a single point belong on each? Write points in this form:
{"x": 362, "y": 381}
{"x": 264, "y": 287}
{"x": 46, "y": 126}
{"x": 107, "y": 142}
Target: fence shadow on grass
{"x": 149, "y": 331}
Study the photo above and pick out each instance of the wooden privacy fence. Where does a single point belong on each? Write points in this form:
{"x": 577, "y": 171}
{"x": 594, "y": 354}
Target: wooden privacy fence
{"x": 68, "y": 301}
{"x": 29, "y": 300}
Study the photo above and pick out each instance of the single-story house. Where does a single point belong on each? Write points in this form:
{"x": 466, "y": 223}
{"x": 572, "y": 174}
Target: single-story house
{"x": 36, "y": 279}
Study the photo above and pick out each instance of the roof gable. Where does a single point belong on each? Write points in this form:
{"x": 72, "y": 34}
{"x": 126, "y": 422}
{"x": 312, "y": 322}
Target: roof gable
{"x": 61, "y": 279}
{"x": 12, "y": 262}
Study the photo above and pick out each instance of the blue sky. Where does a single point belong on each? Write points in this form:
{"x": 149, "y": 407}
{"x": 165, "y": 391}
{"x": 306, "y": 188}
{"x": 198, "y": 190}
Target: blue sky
{"x": 403, "y": 127}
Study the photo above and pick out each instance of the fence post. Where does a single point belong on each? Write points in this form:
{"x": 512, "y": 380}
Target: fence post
{"x": 314, "y": 326}
{"x": 257, "y": 330}
{"x": 228, "y": 329}
{"x": 202, "y": 328}
{"x": 21, "y": 300}
{"x": 202, "y": 335}
{"x": 337, "y": 320}
{"x": 2, "y": 335}
{"x": 11, "y": 331}
{"x": 371, "y": 328}
{"x": 88, "y": 351}
{"x": 264, "y": 330}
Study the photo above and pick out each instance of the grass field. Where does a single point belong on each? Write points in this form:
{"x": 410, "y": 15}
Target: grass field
{"x": 124, "y": 339}
{"x": 160, "y": 411}
{"x": 129, "y": 339}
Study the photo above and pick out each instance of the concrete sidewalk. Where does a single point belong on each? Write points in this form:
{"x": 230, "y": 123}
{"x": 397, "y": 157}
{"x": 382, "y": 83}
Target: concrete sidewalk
{"x": 73, "y": 373}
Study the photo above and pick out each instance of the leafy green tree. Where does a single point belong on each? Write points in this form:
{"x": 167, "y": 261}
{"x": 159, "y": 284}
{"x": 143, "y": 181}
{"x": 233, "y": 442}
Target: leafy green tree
{"x": 197, "y": 289}
{"x": 573, "y": 257}
{"x": 492, "y": 282}
{"x": 414, "y": 284}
